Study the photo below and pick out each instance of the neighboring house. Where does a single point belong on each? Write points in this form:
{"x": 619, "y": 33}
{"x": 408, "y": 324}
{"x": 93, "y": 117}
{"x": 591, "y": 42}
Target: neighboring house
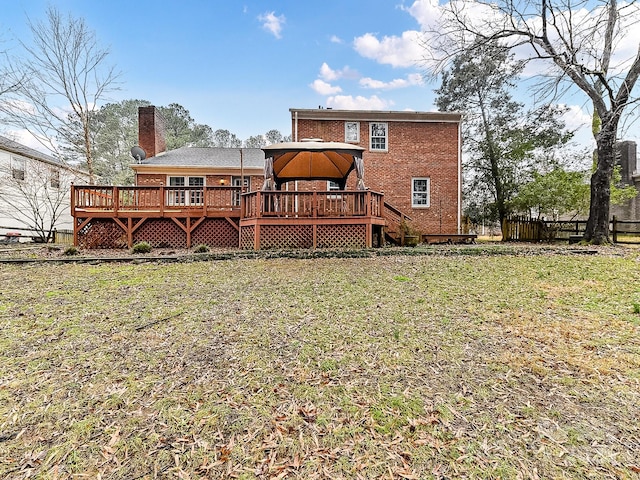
{"x": 628, "y": 163}
{"x": 34, "y": 191}
{"x": 187, "y": 196}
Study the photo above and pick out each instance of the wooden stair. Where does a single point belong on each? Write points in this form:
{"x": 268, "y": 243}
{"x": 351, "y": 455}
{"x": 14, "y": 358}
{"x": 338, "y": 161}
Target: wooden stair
{"x": 393, "y": 231}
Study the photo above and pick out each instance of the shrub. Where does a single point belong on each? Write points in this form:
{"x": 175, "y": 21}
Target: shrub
{"x": 141, "y": 247}
{"x": 71, "y": 251}
{"x": 202, "y": 248}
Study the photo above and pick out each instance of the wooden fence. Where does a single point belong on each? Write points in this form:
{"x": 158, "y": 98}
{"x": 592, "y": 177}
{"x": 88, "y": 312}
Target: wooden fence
{"x": 523, "y": 229}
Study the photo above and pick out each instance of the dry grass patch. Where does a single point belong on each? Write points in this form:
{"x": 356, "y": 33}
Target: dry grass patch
{"x": 391, "y": 367}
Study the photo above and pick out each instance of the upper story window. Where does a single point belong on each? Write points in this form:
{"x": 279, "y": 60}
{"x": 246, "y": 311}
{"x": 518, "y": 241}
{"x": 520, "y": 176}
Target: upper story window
{"x": 378, "y": 136}
{"x": 18, "y": 168}
{"x": 54, "y": 178}
{"x": 420, "y": 192}
{"x": 352, "y": 132}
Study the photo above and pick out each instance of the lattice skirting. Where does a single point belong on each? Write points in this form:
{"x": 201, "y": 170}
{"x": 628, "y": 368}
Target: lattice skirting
{"x": 341, "y": 236}
{"x": 161, "y": 233}
{"x": 215, "y": 232}
{"x": 286, "y": 236}
{"x": 101, "y": 233}
{"x": 219, "y": 233}
{"x": 247, "y": 237}
{"x": 301, "y": 236}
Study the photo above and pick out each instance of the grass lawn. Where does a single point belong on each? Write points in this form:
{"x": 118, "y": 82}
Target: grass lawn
{"x": 394, "y": 367}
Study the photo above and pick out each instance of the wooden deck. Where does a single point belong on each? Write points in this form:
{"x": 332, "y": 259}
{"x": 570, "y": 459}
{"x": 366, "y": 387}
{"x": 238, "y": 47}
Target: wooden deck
{"x": 112, "y": 216}
{"x": 319, "y": 219}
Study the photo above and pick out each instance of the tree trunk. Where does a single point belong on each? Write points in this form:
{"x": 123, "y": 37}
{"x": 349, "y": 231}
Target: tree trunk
{"x": 597, "y": 230}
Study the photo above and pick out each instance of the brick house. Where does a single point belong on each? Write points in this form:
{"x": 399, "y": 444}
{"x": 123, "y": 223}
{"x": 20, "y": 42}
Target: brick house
{"x": 414, "y": 158}
{"x": 412, "y": 166}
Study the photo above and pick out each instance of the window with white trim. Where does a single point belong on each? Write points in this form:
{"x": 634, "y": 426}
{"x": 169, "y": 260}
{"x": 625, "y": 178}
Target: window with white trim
{"x": 352, "y": 132}
{"x": 237, "y": 182}
{"x": 18, "y": 168}
{"x": 185, "y": 196}
{"x": 420, "y": 192}
{"x": 378, "y": 136}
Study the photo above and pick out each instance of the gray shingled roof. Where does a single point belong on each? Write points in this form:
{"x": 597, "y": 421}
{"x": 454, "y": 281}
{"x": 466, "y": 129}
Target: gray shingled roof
{"x": 208, "y": 157}
{"x": 19, "y": 149}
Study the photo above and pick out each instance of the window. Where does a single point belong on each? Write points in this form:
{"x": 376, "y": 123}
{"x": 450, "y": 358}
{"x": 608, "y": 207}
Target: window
{"x": 333, "y": 186}
{"x": 378, "y": 136}
{"x": 352, "y": 132}
{"x": 18, "y": 168}
{"x": 54, "y": 178}
{"x": 237, "y": 182}
{"x": 184, "y": 196}
{"x": 196, "y": 196}
{"x": 420, "y": 192}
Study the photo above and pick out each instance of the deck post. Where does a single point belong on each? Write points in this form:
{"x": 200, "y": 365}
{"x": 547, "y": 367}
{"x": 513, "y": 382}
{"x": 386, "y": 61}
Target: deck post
{"x": 188, "y": 232}
{"x": 204, "y": 200}
{"x": 130, "y": 232}
{"x": 259, "y": 207}
{"x": 162, "y": 199}
{"x": 116, "y": 200}
{"x": 73, "y": 200}
{"x": 367, "y": 207}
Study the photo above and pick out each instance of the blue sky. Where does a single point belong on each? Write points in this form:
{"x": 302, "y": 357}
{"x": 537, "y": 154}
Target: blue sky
{"x": 240, "y": 65}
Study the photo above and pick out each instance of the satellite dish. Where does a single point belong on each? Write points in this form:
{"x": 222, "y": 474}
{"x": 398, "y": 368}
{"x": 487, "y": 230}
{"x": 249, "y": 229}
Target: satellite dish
{"x": 138, "y": 153}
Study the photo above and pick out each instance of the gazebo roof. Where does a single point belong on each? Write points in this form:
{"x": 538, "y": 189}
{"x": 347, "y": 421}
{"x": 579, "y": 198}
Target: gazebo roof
{"x": 312, "y": 160}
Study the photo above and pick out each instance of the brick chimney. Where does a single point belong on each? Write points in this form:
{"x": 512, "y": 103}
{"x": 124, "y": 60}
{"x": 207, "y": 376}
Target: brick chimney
{"x": 151, "y": 131}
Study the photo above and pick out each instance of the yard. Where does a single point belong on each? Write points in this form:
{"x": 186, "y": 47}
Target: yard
{"x": 520, "y": 364}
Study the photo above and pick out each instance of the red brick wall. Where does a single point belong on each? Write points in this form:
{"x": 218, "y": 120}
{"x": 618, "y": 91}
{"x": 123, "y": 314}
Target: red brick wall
{"x": 150, "y": 179}
{"x": 151, "y": 131}
{"x": 415, "y": 149}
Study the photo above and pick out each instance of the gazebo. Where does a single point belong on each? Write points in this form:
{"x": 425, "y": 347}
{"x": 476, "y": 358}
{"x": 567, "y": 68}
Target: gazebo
{"x": 277, "y": 218}
{"x": 312, "y": 160}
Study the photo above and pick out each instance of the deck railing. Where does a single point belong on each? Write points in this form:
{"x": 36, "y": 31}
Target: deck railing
{"x": 155, "y": 198}
{"x": 334, "y": 203}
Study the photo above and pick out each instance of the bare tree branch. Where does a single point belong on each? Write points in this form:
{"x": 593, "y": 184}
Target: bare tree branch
{"x": 66, "y": 76}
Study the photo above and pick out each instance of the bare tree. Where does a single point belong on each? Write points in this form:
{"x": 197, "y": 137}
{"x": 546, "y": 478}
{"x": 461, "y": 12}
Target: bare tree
{"x": 65, "y": 77}
{"x": 581, "y": 43}
{"x": 10, "y": 79}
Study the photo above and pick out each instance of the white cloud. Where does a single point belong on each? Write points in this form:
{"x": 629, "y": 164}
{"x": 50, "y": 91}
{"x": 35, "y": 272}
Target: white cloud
{"x": 324, "y": 88}
{"x": 575, "y": 117}
{"x": 348, "y": 102}
{"x": 26, "y": 138}
{"x": 273, "y": 23}
{"x": 335, "y": 39}
{"x": 328, "y": 74}
{"x": 404, "y": 51}
{"x": 426, "y": 13}
{"x": 411, "y": 80}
